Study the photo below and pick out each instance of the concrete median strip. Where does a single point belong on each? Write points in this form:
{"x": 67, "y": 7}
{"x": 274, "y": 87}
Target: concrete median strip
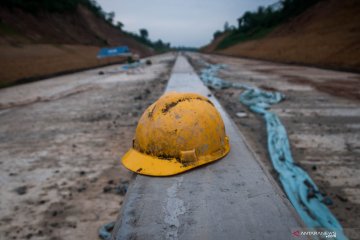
{"x": 229, "y": 199}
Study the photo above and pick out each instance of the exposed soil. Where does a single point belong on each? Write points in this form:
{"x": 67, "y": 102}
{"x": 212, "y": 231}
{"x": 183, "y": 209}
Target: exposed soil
{"x": 60, "y": 145}
{"x": 212, "y": 46}
{"x": 349, "y": 88}
{"x": 36, "y": 45}
{"x": 326, "y": 35}
{"x": 29, "y": 62}
{"x": 80, "y": 27}
{"x": 322, "y": 118}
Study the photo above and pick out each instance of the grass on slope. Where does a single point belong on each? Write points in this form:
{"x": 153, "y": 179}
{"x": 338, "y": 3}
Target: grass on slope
{"x": 236, "y": 37}
{"x": 257, "y": 24}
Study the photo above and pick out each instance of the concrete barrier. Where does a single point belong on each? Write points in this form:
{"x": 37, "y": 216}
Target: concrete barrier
{"x": 234, "y": 198}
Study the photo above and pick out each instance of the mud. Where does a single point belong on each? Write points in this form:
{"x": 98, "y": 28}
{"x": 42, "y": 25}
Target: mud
{"x": 323, "y": 125}
{"x": 60, "y": 144}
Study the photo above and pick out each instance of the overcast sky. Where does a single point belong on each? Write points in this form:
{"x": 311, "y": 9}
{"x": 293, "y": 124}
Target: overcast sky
{"x": 180, "y": 22}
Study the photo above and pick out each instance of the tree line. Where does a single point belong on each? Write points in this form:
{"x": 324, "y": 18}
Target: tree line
{"x": 143, "y": 37}
{"x": 256, "y": 24}
{"x": 60, "y": 6}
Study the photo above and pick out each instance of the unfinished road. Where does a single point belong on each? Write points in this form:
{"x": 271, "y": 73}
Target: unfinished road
{"x": 60, "y": 144}
{"x": 61, "y": 140}
{"x": 227, "y": 199}
{"x": 321, "y": 113}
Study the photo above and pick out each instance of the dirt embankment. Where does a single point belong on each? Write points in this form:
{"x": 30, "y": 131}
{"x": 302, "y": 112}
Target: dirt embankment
{"x": 30, "y": 62}
{"x": 326, "y": 35}
{"x": 41, "y": 44}
{"x": 212, "y": 46}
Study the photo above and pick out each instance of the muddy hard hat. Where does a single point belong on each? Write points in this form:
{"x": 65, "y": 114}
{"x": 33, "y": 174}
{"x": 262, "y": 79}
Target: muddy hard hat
{"x": 178, "y": 132}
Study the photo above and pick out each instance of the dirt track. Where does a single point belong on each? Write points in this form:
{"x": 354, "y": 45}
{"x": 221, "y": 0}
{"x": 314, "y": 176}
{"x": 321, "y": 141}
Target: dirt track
{"x": 322, "y": 118}
{"x": 60, "y": 144}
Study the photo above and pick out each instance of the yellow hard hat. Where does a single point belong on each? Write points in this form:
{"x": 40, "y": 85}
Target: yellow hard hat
{"x": 178, "y": 132}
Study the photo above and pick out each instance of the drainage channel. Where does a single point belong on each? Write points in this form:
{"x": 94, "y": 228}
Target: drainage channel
{"x": 234, "y": 198}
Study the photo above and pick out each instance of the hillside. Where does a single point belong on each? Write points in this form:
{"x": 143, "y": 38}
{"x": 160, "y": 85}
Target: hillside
{"x": 212, "y": 46}
{"x": 325, "y": 35}
{"x": 34, "y": 45}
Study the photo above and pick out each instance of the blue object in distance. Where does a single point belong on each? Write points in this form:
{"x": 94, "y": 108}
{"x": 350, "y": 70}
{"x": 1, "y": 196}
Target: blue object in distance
{"x": 113, "y": 52}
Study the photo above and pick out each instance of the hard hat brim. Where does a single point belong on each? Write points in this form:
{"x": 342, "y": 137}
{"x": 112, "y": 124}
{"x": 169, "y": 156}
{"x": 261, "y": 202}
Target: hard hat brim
{"x": 153, "y": 166}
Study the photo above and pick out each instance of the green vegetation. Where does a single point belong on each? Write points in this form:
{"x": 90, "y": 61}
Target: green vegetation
{"x": 6, "y": 29}
{"x": 159, "y": 46}
{"x": 255, "y": 25}
{"x": 60, "y": 6}
{"x": 143, "y": 37}
{"x": 45, "y": 5}
{"x": 187, "y": 49}
{"x": 144, "y": 33}
{"x": 234, "y": 38}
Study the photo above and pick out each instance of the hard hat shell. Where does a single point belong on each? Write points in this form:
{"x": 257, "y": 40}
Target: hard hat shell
{"x": 178, "y": 132}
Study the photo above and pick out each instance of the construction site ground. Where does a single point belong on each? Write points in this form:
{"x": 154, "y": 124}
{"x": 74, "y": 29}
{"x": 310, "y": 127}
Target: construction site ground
{"x": 61, "y": 141}
{"x": 321, "y": 113}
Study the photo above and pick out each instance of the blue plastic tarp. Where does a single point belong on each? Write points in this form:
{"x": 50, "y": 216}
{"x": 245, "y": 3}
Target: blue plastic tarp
{"x": 113, "y": 52}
